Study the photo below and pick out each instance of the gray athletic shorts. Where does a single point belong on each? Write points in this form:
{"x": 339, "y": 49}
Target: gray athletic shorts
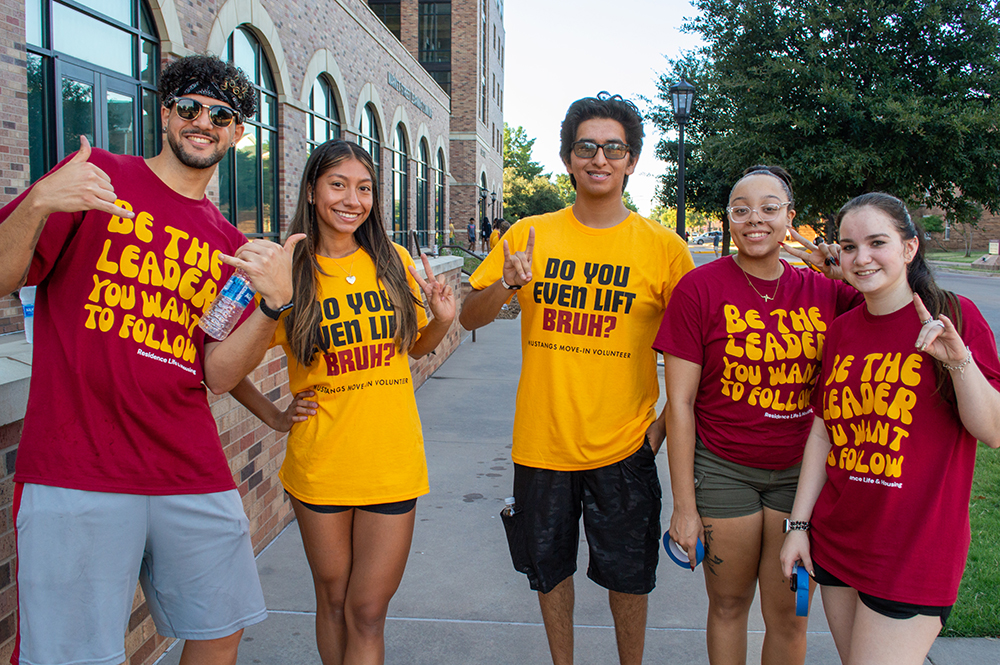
{"x": 79, "y": 554}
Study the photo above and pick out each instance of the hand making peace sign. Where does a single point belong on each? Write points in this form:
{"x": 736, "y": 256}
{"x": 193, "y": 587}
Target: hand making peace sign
{"x": 825, "y": 257}
{"x": 517, "y": 266}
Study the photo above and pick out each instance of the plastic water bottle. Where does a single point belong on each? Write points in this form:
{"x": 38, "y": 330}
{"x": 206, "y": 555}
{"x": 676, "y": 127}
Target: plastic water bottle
{"x": 228, "y": 306}
{"x": 508, "y": 507}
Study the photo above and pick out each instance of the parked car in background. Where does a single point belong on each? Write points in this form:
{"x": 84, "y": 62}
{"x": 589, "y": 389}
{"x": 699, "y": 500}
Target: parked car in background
{"x": 706, "y": 237}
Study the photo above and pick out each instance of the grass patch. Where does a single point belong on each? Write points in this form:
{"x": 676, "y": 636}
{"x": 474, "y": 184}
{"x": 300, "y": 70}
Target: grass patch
{"x": 975, "y": 613}
{"x": 470, "y": 262}
{"x": 954, "y": 257}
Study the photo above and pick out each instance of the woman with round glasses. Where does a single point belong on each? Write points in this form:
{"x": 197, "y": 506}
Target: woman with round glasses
{"x": 742, "y": 340}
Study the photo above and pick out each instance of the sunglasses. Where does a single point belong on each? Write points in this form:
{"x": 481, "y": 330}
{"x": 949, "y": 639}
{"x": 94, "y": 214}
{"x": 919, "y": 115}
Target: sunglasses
{"x": 221, "y": 116}
{"x": 612, "y": 150}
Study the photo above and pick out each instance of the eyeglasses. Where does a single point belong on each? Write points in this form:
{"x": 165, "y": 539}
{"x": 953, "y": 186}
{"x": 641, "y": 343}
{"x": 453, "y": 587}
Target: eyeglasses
{"x": 767, "y": 212}
{"x": 221, "y": 116}
{"x": 612, "y": 150}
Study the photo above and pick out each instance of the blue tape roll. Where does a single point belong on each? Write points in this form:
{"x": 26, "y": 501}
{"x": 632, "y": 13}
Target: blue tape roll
{"x": 801, "y": 591}
{"x": 679, "y": 556}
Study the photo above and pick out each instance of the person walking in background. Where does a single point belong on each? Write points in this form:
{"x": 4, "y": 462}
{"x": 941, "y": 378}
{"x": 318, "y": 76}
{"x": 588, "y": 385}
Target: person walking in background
{"x": 495, "y": 236}
{"x": 910, "y": 381}
{"x": 584, "y": 424}
{"x": 742, "y": 341}
{"x": 355, "y": 462}
{"x": 485, "y": 231}
{"x": 120, "y": 472}
{"x": 470, "y": 229}
{"x": 716, "y": 239}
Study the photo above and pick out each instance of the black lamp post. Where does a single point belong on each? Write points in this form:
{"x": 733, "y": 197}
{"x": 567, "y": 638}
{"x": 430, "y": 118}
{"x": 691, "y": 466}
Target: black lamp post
{"x": 681, "y": 96}
{"x": 493, "y": 205}
{"x": 482, "y": 203}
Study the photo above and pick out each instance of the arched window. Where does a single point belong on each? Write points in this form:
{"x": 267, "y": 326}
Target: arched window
{"x": 93, "y": 67}
{"x": 400, "y": 183}
{"x": 423, "y": 232}
{"x": 323, "y": 119}
{"x": 248, "y": 176}
{"x": 369, "y": 139}
{"x": 439, "y": 195}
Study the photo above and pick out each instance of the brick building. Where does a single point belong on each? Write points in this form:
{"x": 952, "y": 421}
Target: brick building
{"x": 419, "y": 83}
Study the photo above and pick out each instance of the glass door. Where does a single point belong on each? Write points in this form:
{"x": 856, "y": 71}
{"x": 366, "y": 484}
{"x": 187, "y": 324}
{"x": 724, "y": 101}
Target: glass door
{"x": 98, "y": 106}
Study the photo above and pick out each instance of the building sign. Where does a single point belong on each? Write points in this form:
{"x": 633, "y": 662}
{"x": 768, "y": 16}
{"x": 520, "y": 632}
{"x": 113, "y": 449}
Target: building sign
{"x": 994, "y": 247}
{"x": 410, "y": 96}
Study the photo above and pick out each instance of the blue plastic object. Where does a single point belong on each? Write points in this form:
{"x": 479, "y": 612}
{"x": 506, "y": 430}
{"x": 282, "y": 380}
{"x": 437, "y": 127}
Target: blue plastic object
{"x": 801, "y": 591}
{"x": 679, "y": 556}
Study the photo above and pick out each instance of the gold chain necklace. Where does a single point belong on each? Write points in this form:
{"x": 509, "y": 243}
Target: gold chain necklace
{"x": 776, "y": 286}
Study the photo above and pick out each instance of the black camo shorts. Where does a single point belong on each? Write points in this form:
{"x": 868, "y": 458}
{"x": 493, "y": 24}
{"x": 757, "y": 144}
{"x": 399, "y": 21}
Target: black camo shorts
{"x": 620, "y": 505}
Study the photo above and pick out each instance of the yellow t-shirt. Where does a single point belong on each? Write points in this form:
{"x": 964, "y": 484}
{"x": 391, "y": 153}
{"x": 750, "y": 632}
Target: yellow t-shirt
{"x": 365, "y": 444}
{"x": 588, "y": 385}
{"x": 494, "y": 239}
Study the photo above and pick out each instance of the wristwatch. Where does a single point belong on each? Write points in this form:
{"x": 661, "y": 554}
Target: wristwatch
{"x": 273, "y": 314}
{"x": 509, "y": 287}
{"x": 790, "y": 525}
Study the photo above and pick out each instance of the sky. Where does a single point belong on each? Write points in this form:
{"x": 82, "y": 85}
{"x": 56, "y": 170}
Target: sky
{"x": 561, "y": 50}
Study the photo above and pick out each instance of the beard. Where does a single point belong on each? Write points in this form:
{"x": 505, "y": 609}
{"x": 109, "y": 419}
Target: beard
{"x": 194, "y": 161}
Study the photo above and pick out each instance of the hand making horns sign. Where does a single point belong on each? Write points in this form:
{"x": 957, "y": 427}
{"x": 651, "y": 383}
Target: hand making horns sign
{"x": 938, "y": 337}
{"x": 822, "y": 256}
{"x": 517, "y": 266}
{"x": 440, "y": 296}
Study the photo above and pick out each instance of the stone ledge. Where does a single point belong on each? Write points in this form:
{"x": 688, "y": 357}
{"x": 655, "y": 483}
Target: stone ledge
{"x": 15, "y": 377}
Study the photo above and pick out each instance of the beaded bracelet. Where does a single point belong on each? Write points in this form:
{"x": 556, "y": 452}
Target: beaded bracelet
{"x": 961, "y": 366}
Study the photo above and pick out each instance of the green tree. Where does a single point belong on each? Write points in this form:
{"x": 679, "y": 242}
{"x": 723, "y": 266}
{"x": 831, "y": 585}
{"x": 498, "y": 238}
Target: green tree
{"x": 850, "y": 97}
{"x": 524, "y": 197}
{"x": 629, "y": 203}
{"x": 517, "y": 153}
{"x": 566, "y": 190}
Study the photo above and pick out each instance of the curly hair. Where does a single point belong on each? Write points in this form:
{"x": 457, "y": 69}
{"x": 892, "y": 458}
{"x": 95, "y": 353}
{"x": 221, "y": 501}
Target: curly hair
{"x": 604, "y": 106}
{"x": 212, "y": 77}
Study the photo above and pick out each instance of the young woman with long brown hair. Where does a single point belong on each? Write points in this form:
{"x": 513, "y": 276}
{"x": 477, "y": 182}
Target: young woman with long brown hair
{"x": 355, "y": 463}
{"x": 910, "y": 381}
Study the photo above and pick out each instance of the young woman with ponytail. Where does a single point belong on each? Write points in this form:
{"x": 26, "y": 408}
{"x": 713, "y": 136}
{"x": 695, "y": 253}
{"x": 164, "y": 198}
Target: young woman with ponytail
{"x": 909, "y": 383}
{"x": 355, "y": 461}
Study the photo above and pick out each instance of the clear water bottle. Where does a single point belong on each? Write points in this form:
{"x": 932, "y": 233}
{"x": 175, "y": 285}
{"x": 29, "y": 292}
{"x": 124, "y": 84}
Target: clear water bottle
{"x": 508, "y": 507}
{"x": 228, "y": 306}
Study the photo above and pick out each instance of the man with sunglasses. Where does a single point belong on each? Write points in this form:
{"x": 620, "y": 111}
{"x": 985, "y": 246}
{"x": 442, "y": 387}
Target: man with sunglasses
{"x": 594, "y": 281}
{"x": 120, "y": 472}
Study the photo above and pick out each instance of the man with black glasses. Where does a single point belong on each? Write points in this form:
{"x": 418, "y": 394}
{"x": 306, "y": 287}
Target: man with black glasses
{"x": 594, "y": 281}
{"x": 120, "y": 473}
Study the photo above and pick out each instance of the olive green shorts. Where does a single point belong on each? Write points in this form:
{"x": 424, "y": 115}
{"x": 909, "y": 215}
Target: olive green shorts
{"x": 724, "y": 489}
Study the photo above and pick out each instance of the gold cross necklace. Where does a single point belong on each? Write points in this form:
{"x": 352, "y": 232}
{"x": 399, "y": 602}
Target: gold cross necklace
{"x": 776, "y": 286}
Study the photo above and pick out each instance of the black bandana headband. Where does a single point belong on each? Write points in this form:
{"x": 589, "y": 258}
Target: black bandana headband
{"x": 232, "y": 91}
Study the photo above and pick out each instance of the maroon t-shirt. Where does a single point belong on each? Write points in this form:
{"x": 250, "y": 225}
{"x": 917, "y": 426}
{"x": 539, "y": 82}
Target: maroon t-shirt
{"x": 759, "y": 359}
{"x": 892, "y": 519}
{"x": 117, "y": 402}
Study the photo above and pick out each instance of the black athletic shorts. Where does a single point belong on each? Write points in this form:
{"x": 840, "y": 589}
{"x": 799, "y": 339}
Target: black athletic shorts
{"x": 394, "y": 508}
{"x": 620, "y": 504}
{"x": 887, "y": 608}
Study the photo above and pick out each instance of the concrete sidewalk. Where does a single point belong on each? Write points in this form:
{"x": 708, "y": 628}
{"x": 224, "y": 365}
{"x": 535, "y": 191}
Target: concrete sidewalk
{"x": 461, "y": 602}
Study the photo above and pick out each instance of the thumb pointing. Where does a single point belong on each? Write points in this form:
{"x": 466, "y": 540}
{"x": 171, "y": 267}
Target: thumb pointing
{"x": 83, "y": 154}
{"x": 293, "y": 240}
